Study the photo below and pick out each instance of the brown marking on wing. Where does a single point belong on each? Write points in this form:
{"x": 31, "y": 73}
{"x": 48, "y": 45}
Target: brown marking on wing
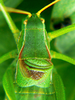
{"x": 23, "y": 68}
{"x": 21, "y": 52}
{"x": 36, "y": 75}
{"x": 48, "y": 52}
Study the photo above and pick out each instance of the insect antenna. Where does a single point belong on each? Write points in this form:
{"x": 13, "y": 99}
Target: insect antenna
{"x": 13, "y": 10}
{"x": 39, "y": 12}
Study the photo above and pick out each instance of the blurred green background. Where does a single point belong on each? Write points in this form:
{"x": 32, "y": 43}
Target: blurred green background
{"x": 56, "y": 17}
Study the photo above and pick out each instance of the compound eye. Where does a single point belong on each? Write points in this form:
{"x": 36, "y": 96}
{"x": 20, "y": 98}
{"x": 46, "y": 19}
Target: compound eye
{"x": 25, "y": 22}
{"x": 43, "y": 21}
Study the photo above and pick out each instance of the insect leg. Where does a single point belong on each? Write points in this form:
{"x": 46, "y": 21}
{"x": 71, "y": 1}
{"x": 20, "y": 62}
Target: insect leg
{"x": 11, "y": 54}
{"x": 10, "y": 22}
{"x": 60, "y": 32}
{"x": 56, "y": 55}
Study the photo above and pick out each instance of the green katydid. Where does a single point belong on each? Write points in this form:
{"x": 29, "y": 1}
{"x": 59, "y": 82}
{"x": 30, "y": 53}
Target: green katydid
{"x": 35, "y": 77}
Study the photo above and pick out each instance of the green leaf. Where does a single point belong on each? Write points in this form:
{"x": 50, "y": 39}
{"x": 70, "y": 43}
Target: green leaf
{"x": 69, "y": 41}
{"x": 63, "y": 9}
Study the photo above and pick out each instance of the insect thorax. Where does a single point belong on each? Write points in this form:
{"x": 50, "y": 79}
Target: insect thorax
{"x": 34, "y": 42}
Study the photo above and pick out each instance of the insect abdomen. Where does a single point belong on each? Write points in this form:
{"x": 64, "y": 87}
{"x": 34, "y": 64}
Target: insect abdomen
{"x": 35, "y": 93}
